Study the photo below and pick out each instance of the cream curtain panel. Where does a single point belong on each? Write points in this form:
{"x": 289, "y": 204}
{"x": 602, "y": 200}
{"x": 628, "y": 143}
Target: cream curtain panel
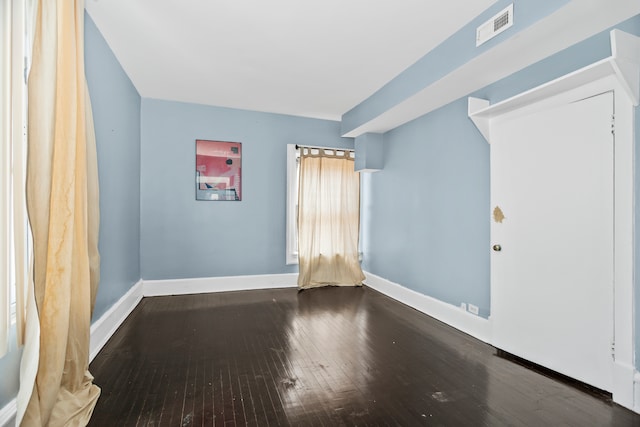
{"x": 328, "y": 219}
{"x": 62, "y": 201}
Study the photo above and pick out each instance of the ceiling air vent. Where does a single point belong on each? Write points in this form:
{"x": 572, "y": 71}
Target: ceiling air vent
{"x": 495, "y": 25}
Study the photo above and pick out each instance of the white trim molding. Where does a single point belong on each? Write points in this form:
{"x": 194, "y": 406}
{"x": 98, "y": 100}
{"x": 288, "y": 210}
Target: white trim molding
{"x": 619, "y": 73}
{"x": 202, "y": 285}
{"x": 103, "y": 328}
{"x": 456, "y": 317}
{"x": 623, "y": 65}
{"x": 110, "y": 321}
{"x": 291, "y": 254}
{"x": 636, "y": 386}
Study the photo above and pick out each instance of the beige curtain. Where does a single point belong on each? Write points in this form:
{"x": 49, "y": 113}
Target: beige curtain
{"x": 62, "y": 201}
{"x": 328, "y": 219}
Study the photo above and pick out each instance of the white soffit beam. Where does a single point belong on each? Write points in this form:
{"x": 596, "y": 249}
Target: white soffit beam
{"x": 566, "y": 27}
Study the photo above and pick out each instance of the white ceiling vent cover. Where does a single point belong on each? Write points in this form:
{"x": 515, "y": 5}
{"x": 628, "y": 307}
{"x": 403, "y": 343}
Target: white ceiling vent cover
{"x": 495, "y": 25}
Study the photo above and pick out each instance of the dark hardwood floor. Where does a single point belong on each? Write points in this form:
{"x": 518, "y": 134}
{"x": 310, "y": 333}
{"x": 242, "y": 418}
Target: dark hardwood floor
{"x": 325, "y": 357}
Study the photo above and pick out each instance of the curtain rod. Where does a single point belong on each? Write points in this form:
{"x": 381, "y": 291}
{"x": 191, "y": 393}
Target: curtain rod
{"x": 325, "y": 148}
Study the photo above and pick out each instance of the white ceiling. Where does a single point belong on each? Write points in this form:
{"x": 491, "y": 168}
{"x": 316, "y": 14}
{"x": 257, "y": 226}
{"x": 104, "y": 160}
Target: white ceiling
{"x": 320, "y": 58}
{"x": 313, "y": 58}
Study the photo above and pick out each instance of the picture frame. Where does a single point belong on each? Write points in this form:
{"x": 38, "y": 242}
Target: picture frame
{"x": 218, "y": 170}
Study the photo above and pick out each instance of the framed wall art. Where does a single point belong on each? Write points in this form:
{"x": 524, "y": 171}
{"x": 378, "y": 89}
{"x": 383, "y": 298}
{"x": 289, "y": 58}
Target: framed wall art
{"x": 218, "y": 170}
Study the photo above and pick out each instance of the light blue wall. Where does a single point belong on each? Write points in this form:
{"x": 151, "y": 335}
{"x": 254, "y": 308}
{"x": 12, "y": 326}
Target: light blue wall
{"x": 10, "y": 371}
{"x": 182, "y": 237}
{"x": 116, "y": 110}
{"x": 426, "y": 215}
{"x": 369, "y": 152}
{"x": 426, "y": 223}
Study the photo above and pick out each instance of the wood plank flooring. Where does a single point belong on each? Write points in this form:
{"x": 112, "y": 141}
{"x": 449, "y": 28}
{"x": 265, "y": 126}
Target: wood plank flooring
{"x": 322, "y": 357}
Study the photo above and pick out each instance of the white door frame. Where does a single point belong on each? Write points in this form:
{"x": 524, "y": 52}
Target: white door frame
{"x": 531, "y": 315}
{"x": 620, "y": 73}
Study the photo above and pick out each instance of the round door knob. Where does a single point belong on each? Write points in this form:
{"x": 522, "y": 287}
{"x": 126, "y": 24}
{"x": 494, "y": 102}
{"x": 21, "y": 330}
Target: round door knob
{"x": 497, "y": 248}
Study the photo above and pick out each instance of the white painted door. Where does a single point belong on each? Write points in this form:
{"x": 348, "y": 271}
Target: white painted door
{"x": 552, "y": 277}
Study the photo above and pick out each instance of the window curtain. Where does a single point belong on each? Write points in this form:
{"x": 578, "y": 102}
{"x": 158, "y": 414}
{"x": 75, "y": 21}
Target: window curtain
{"x": 328, "y": 219}
{"x": 62, "y": 204}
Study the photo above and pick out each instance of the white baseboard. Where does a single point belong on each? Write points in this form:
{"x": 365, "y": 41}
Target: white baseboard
{"x": 477, "y": 327}
{"x": 109, "y": 322}
{"x": 636, "y": 392}
{"x": 8, "y": 414}
{"x": 625, "y": 384}
{"x": 626, "y": 380}
{"x": 218, "y": 284}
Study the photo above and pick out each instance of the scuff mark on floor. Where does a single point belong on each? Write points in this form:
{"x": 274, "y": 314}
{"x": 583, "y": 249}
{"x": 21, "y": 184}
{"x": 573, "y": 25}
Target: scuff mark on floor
{"x": 440, "y": 396}
{"x": 289, "y": 382}
{"x": 187, "y": 420}
{"x": 359, "y": 414}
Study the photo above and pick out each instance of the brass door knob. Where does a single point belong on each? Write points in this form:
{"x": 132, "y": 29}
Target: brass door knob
{"x": 497, "y": 248}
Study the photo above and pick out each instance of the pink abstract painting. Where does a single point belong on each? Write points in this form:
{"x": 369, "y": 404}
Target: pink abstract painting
{"x": 218, "y": 170}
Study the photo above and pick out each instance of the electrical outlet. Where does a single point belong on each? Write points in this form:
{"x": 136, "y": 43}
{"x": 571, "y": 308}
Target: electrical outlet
{"x": 473, "y": 309}
{"x": 463, "y": 306}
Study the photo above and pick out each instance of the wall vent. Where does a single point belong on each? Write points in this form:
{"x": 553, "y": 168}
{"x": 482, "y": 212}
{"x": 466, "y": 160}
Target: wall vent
{"x": 495, "y": 25}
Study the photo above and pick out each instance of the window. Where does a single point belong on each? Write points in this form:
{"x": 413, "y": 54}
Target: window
{"x": 293, "y": 173}
{"x": 13, "y": 224}
{"x": 5, "y": 164}
{"x": 293, "y": 162}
